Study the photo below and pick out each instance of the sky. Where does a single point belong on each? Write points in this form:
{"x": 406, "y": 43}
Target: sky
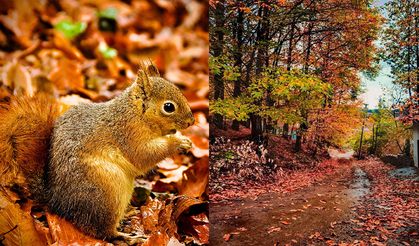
{"x": 375, "y": 89}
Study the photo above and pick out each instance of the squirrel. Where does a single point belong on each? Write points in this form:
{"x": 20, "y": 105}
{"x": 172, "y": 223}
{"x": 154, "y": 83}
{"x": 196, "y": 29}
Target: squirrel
{"x": 82, "y": 164}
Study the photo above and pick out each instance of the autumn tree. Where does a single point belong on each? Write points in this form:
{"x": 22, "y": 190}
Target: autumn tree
{"x": 401, "y": 52}
{"x": 327, "y": 41}
{"x": 400, "y": 39}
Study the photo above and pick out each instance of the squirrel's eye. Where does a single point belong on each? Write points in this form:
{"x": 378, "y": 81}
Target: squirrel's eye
{"x": 169, "y": 107}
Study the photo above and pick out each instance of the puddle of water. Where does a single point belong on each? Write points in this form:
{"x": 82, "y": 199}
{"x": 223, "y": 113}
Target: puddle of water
{"x": 360, "y": 185}
{"x": 406, "y": 173}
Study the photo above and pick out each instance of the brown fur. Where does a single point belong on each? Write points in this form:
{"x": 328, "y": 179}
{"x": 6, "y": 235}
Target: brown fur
{"x": 26, "y": 125}
{"x": 99, "y": 148}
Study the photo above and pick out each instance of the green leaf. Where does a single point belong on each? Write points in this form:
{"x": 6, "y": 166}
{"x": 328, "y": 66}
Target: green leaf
{"x": 70, "y": 29}
{"x": 109, "y": 13}
{"x": 107, "y": 52}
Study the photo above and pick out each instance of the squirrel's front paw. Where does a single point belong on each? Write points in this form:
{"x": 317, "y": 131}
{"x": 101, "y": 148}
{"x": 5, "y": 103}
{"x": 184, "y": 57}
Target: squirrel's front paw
{"x": 184, "y": 144}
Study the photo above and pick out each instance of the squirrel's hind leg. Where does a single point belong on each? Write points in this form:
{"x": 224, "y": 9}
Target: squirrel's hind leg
{"x": 88, "y": 207}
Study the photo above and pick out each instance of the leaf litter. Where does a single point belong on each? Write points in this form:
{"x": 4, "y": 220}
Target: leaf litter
{"x": 88, "y": 51}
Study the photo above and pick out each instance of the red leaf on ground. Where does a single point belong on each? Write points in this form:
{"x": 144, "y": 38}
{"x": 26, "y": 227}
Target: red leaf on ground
{"x": 274, "y": 229}
{"x": 227, "y": 237}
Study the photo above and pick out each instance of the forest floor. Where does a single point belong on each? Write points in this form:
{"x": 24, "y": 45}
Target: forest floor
{"x": 358, "y": 203}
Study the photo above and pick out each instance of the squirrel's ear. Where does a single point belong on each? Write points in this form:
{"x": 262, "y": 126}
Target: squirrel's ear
{"x": 146, "y": 70}
{"x": 143, "y": 83}
{"x": 152, "y": 70}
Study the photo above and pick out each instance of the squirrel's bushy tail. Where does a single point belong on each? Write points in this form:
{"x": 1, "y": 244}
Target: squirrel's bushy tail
{"x": 26, "y": 125}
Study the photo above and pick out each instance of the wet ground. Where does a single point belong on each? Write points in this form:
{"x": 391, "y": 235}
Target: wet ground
{"x": 406, "y": 173}
{"x": 294, "y": 218}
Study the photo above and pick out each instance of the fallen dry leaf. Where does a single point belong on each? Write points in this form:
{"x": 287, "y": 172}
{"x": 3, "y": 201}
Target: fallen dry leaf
{"x": 17, "y": 76}
{"x": 274, "y": 229}
{"x": 25, "y": 233}
{"x": 65, "y": 233}
{"x": 67, "y": 75}
{"x": 21, "y": 20}
{"x": 227, "y": 237}
{"x": 195, "y": 179}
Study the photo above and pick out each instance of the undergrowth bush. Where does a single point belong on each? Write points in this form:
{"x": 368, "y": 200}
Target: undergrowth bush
{"x": 245, "y": 160}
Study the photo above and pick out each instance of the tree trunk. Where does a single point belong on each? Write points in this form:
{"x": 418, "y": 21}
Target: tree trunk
{"x": 290, "y": 47}
{"x": 256, "y": 124}
{"x": 417, "y": 49}
{"x": 285, "y": 130}
{"x": 298, "y": 142}
{"x": 308, "y": 50}
{"x": 262, "y": 52}
{"x": 409, "y": 51}
{"x": 218, "y": 51}
{"x": 374, "y": 139}
{"x": 238, "y": 60}
{"x": 297, "y": 146}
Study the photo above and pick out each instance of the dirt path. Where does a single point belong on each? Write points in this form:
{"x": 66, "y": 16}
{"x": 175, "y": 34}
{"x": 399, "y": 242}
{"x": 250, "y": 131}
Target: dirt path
{"x": 295, "y": 218}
